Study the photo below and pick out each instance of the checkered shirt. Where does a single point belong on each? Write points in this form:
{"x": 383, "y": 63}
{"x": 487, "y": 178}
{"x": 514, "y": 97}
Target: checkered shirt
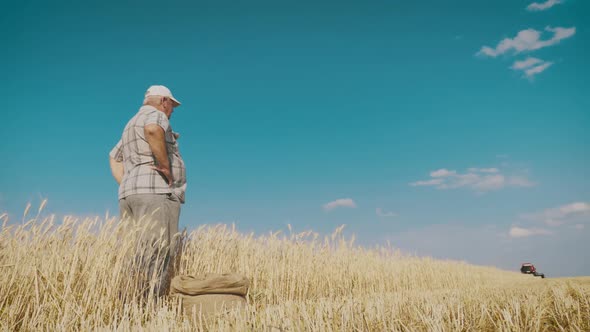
{"x": 137, "y": 157}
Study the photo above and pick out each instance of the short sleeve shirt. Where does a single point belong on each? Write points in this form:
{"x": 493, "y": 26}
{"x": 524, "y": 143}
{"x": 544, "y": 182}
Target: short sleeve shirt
{"x": 137, "y": 157}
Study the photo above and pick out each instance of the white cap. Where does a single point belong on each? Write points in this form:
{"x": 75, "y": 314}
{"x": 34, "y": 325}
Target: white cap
{"x": 160, "y": 90}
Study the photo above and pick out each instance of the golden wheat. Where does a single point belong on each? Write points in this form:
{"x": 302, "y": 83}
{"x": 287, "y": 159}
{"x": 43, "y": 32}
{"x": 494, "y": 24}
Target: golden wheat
{"x": 78, "y": 275}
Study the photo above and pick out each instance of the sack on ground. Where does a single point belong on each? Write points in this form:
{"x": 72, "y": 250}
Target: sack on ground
{"x": 210, "y": 294}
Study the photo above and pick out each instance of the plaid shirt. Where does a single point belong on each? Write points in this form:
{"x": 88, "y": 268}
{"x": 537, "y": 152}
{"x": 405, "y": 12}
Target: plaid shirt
{"x": 137, "y": 157}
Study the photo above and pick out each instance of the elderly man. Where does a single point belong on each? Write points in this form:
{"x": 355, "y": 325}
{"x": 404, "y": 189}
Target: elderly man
{"x": 150, "y": 172}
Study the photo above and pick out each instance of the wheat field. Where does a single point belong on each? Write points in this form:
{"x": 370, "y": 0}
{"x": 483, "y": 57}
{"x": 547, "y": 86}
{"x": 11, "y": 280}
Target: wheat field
{"x": 74, "y": 274}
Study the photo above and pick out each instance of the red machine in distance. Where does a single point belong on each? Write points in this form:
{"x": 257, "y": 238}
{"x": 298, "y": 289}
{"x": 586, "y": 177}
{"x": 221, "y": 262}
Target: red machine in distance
{"x": 528, "y": 268}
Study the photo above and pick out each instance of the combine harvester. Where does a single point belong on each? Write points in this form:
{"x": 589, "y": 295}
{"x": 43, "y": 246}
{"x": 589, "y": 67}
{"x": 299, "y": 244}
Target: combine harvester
{"x": 528, "y": 268}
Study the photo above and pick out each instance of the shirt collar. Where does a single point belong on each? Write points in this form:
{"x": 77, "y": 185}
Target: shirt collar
{"x": 147, "y": 108}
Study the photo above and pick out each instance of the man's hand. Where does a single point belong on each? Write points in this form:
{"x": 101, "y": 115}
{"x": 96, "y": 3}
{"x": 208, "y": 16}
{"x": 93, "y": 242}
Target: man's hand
{"x": 166, "y": 173}
{"x": 117, "y": 169}
{"x": 156, "y": 138}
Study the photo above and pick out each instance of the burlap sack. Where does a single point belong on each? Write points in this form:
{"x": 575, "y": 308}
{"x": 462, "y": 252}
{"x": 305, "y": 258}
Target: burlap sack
{"x": 227, "y": 283}
{"x": 208, "y": 305}
{"x": 210, "y": 294}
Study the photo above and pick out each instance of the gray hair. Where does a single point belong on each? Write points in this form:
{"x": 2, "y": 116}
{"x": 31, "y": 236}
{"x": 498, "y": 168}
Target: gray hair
{"x": 152, "y": 100}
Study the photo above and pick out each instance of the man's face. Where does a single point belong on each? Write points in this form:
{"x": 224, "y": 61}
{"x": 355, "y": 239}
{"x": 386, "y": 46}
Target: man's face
{"x": 168, "y": 105}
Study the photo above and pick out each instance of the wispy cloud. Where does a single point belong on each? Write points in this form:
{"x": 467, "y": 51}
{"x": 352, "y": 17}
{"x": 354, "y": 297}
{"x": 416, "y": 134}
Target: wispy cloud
{"x": 527, "y": 40}
{"x": 441, "y": 173}
{"x": 571, "y": 216}
{"x": 531, "y": 66}
{"x": 381, "y": 213}
{"x": 432, "y": 182}
{"x": 528, "y": 63}
{"x": 478, "y": 179}
{"x": 517, "y": 232}
{"x": 538, "y": 6}
{"x": 342, "y": 202}
{"x": 537, "y": 69}
{"x": 565, "y": 214}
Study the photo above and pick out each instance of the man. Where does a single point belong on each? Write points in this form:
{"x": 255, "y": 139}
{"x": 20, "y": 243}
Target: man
{"x": 150, "y": 172}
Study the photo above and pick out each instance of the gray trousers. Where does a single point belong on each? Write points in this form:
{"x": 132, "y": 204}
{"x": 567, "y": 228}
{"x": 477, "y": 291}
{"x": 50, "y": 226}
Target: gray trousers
{"x": 162, "y": 211}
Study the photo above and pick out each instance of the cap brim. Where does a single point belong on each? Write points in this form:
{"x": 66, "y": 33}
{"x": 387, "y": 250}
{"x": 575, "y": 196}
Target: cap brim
{"x": 176, "y": 101}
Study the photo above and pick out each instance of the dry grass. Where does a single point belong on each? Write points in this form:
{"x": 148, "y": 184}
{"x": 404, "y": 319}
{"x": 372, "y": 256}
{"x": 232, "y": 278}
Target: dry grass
{"x": 77, "y": 276}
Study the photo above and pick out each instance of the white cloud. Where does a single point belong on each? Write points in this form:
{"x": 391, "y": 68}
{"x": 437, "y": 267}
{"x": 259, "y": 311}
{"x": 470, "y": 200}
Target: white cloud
{"x": 432, "y": 182}
{"x": 536, "y": 6}
{"x": 579, "y": 226}
{"x": 528, "y": 63}
{"x": 342, "y": 202}
{"x": 537, "y": 69}
{"x": 565, "y": 214}
{"x": 442, "y": 173}
{"x": 516, "y": 232}
{"x": 561, "y": 33}
{"x": 492, "y": 182}
{"x": 478, "y": 179}
{"x": 531, "y": 66}
{"x": 578, "y": 207}
{"x": 528, "y": 40}
{"x": 382, "y": 213}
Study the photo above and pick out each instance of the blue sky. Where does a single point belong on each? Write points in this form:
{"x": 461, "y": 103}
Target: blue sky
{"x": 457, "y": 129}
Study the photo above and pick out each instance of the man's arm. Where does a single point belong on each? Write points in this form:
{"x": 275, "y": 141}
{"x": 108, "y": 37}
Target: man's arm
{"x": 117, "y": 169}
{"x": 156, "y": 139}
